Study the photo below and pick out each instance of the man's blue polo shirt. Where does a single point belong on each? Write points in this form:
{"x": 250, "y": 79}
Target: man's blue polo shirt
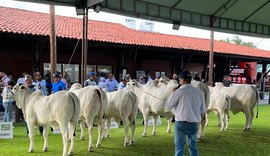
{"x": 58, "y": 86}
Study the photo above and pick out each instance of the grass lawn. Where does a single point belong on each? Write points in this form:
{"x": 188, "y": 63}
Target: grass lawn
{"x": 233, "y": 142}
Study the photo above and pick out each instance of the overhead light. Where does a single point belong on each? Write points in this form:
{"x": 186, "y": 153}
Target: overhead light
{"x": 176, "y": 25}
{"x": 97, "y": 8}
{"x": 80, "y": 11}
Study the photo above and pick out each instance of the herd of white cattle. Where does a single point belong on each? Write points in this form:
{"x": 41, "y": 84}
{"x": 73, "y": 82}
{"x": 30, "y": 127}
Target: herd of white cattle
{"x": 65, "y": 108}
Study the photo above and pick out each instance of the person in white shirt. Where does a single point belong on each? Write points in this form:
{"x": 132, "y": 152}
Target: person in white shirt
{"x": 188, "y": 105}
{"x": 3, "y": 83}
{"x": 8, "y": 101}
{"x": 102, "y": 84}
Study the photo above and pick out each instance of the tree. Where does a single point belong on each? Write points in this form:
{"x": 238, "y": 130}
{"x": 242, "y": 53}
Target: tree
{"x": 237, "y": 40}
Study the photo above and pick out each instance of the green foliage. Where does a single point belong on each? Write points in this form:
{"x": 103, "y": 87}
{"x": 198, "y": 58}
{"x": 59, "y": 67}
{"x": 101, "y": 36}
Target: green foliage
{"x": 237, "y": 40}
{"x": 233, "y": 142}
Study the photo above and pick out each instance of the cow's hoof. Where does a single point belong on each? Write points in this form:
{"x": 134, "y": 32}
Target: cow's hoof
{"x": 82, "y": 138}
{"x": 222, "y": 130}
{"x": 108, "y": 136}
{"x": 70, "y": 153}
{"x": 91, "y": 149}
{"x": 132, "y": 142}
{"x": 144, "y": 135}
{"x": 30, "y": 150}
{"x": 168, "y": 131}
{"x": 126, "y": 144}
{"x": 45, "y": 149}
{"x": 245, "y": 129}
{"x": 98, "y": 144}
{"x": 154, "y": 134}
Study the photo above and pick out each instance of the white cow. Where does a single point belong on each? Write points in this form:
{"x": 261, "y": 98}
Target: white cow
{"x": 122, "y": 106}
{"x": 59, "y": 109}
{"x": 220, "y": 103}
{"x": 163, "y": 81}
{"x": 152, "y": 101}
{"x": 93, "y": 104}
{"x": 244, "y": 98}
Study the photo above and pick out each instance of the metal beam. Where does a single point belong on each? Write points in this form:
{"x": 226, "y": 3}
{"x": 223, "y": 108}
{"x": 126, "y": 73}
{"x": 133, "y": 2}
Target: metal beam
{"x": 179, "y": 1}
{"x": 225, "y": 7}
{"x": 254, "y": 12}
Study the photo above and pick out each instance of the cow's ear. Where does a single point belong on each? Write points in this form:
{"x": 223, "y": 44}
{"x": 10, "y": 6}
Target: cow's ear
{"x": 22, "y": 87}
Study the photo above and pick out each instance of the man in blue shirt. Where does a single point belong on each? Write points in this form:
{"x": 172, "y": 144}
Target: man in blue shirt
{"x": 57, "y": 84}
{"x": 111, "y": 83}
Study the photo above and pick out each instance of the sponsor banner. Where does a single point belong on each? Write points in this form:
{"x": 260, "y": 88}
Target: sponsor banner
{"x": 6, "y": 130}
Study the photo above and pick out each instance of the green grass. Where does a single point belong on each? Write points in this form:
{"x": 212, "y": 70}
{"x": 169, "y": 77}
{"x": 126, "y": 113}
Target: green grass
{"x": 233, "y": 142}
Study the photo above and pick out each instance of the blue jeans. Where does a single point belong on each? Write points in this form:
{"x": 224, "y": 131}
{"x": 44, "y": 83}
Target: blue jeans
{"x": 8, "y": 111}
{"x": 1, "y": 103}
{"x": 181, "y": 130}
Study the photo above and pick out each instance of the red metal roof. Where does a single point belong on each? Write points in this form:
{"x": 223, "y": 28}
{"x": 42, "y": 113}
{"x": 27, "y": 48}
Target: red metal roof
{"x": 33, "y": 23}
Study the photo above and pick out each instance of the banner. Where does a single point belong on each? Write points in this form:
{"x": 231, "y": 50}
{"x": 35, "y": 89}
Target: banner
{"x": 6, "y": 130}
{"x": 244, "y": 72}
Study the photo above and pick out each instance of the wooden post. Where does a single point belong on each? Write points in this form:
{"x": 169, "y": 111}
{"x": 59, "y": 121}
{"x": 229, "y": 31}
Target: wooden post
{"x": 84, "y": 46}
{"x": 53, "y": 52}
{"x": 211, "y": 59}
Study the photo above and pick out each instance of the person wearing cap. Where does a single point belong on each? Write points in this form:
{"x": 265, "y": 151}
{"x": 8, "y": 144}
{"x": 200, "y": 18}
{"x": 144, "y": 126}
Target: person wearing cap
{"x": 91, "y": 80}
{"x": 57, "y": 85}
{"x": 122, "y": 85}
{"x": 40, "y": 83}
{"x": 21, "y": 80}
{"x": 111, "y": 83}
{"x": 188, "y": 105}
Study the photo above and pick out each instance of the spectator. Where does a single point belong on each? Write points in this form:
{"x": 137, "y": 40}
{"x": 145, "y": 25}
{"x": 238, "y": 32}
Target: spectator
{"x": 57, "y": 84}
{"x": 197, "y": 78}
{"x": 3, "y": 83}
{"x": 127, "y": 77}
{"x": 102, "y": 84}
{"x": 40, "y": 84}
{"x": 174, "y": 77}
{"x": 8, "y": 101}
{"x": 48, "y": 83}
{"x": 29, "y": 83}
{"x": 63, "y": 80}
{"x": 67, "y": 77}
{"x": 91, "y": 80}
{"x": 111, "y": 83}
{"x": 149, "y": 78}
{"x": 21, "y": 79}
{"x": 122, "y": 85}
{"x": 188, "y": 105}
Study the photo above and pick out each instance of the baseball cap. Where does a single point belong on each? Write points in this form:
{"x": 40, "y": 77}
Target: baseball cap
{"x": 185, "y": 74}
{"x": 56, "y": 75}
{"x": 92, "y": 73}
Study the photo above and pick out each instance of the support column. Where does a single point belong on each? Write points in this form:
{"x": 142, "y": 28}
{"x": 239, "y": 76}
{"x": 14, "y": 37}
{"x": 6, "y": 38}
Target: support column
{"x": 84, "y": 46}
{"x": 211, "y": 59}
{"x": 53, "y": 53}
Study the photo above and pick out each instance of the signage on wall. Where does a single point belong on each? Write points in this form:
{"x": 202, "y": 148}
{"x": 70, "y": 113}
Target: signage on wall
{"x": 244, "y": 72}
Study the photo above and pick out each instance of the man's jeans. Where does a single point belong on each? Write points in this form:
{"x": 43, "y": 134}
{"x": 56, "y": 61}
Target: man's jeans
{"x": 8, "y": 111}
{"x": 181, "y": 130}
{"x": 1, "y": 104}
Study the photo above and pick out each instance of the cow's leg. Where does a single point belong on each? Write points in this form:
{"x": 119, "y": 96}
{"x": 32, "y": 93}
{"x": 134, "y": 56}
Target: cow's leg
{"x": 227, "y": 119}
{"x": 155, "y": 117}
{"x": 207, "y": 119}
{"x": 219, "y": 120}
{"x": 145, "y": 118}
{"x": 132, "y": 120}
{"x": 169, "y": 121}
{"x": 201, "y": 132}
{"x": 125, "y": 123}
{"x": 64, "y": 130}
{"x": 90, "y": 133}
{"x": 222, "y": 121}
{"x": 82, "y": 126}
{"x": 100, "y": 130}
{"x": 31, "y": 128}
{"x": 248, "y": 119}
{"x": 108, "y": 127}
{"x": 45, "y": 136}
{"x": 72, "y": 133}
{"x": 104, "y": 134}
{"x": 251, "y": 118}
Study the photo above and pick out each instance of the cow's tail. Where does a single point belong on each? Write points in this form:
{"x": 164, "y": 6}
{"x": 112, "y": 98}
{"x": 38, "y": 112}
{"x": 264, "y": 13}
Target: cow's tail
{"x": 76, "y": 103}
{"x": 257, "y": 100}
{"x": 104, "y": 102}
{"x": 228, "y": 99}
{"x": 134, "y": 107}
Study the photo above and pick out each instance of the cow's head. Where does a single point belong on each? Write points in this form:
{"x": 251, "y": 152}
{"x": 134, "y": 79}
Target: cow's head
{"x": 75, "y": 86}
{"x": 131, "y": 84}
{"x": 16, "y": 90}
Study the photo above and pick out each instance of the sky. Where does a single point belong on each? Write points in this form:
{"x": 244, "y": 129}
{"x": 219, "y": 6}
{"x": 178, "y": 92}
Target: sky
{"x": 261, "y": 43}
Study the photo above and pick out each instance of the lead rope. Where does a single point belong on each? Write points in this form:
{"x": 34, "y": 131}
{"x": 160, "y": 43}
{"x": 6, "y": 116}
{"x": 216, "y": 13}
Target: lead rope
{"x": 74, "y": 50}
